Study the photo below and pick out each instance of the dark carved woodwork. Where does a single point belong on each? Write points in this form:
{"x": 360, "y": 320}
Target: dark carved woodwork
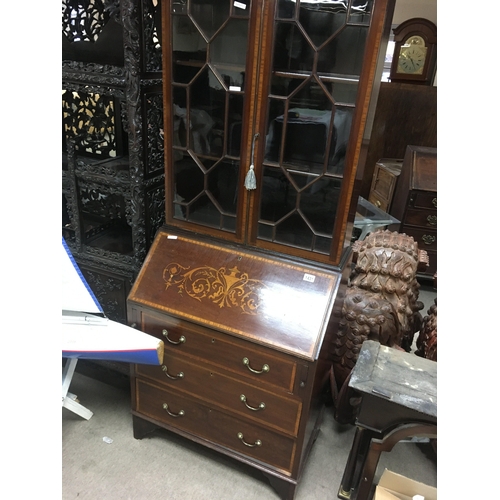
{"x": 113, "y": 163}
{"x": 83, "y": 24}
{"x": 427, "y": 338}
{"x": 111, "y": 290}
{"x": 381, "y": 304}
{"x": 405, "y": 114}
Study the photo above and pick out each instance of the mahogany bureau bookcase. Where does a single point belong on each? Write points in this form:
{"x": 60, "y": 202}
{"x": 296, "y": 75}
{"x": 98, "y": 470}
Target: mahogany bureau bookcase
{"x": 243, "y": 280}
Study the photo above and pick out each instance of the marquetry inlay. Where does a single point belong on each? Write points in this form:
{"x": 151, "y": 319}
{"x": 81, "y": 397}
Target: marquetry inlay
{"x": 224, "y": 287}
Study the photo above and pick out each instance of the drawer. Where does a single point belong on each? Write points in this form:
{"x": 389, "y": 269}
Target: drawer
{"x": 217, "y": 388}
{"x": 177, "y": 411}
{"x": 422, "y": 218}
{"x": 426, "y": 239}
{"x": 423, "y": 199}
{"x": 379, "y": 201}
{"x": 258, "y": 364}
{"x": 383, "y": 183}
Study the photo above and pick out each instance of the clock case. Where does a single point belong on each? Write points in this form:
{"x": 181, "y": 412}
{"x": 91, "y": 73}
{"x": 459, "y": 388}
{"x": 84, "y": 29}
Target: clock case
{"x": 428, "y": 31}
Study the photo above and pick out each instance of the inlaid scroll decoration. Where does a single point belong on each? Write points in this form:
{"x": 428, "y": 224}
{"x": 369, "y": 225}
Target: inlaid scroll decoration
{"x": 224, "y": 287}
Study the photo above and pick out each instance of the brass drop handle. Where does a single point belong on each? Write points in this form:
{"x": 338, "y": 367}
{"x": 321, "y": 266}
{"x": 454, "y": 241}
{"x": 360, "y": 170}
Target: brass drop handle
{"x": 432, "y": 220}
{"x": 172, "y": 377}
{"x": 428, "y": 239}
{"x": 181, "y": 340}
{"x": 265, "y": 368}
{"x": 257, "y": 443}
{"x": 377, "y": 203}
{"x": 253, "y": 408}
{"x": 435, "y": 202}
{"x": 180, "y": 414}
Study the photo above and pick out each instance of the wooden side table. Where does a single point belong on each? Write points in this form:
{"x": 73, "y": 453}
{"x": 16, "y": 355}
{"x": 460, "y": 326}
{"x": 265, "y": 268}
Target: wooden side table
{"x": 398, "y": 393}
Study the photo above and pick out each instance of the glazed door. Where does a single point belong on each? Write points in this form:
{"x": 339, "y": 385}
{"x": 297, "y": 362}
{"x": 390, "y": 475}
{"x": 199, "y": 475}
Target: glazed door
{"x": 206, "y": 44}
{"x": 310, "y": 136}
{"x": 276, "y": 89}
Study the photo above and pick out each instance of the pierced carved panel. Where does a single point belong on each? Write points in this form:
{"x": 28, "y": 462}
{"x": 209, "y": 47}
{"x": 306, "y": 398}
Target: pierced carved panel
{"x": 155, "y": 139}
{"x": 155, "y": 203}
{"x": 152, "y": 34}
{"x": 107, "y": 205}
{"x": 83, "y": 20}
{"x": 90, "y": 119}
{"x": 110, "y": 292}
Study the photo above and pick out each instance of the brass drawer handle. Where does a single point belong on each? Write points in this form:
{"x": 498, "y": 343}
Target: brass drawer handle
{"x": 265, "y": 368}
{"x": 435, "y": 202}
{"x": 171, "y": 377}
{"x": 180, "y": 414}
{"x": 257, "y": 443}
{"x": 181, "y": 340}
{"x": 428, "y": 239}
{"x": 260, "y": 407}
{"x": 432, "y": 220}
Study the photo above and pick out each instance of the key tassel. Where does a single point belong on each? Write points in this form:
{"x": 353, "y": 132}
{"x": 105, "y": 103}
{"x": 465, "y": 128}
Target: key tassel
{"x": 250, "y": 181}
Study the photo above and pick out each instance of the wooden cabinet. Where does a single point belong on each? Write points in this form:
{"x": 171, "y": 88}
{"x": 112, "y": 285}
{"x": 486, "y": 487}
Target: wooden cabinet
{"x": 384, "y": 181}
{"x": 279, "y": 91}
{"x": 415, "y": 201}
{"x": 245, "y": 365}
{"x": 113, "y": 187}
{"x": 265, "y": 105}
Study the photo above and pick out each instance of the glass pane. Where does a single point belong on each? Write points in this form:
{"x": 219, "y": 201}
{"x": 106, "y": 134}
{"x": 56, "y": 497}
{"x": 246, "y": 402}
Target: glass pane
{"x": 320, "y": 21}
{"x": 293, "y": 230}
{"x": 228, "y": 53}
{"x": 344, "y": 54}
{"x": 305, "y": 127}
{"x": 360, "y": 11}
{"x": 286, "y": 9}
{"x": 342, "y": 122}
{"x": 292, "y": 51}
{"x": 210, "y": 15}
{"x": 343, "y": 91}
{"x": 278, "y": 196}
{"x": 187, "y": 42}
{"x": 318, "y": 201}
{"x": 206, "y": 193}
{"x": 224, "y": 179}
{"x": 235, "y": 124}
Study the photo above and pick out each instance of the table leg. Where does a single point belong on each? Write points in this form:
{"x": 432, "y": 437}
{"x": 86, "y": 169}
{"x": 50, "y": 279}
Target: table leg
{"x": 355, "y": 462}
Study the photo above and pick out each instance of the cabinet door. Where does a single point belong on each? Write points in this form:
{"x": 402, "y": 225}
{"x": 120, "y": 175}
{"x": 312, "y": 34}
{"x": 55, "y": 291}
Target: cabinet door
{"x": 284, "y": 86}
{"x": 205, "y": 44}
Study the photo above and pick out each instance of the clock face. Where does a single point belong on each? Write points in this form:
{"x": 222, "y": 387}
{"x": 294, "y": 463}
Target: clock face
{"x": 412, "y": 56}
